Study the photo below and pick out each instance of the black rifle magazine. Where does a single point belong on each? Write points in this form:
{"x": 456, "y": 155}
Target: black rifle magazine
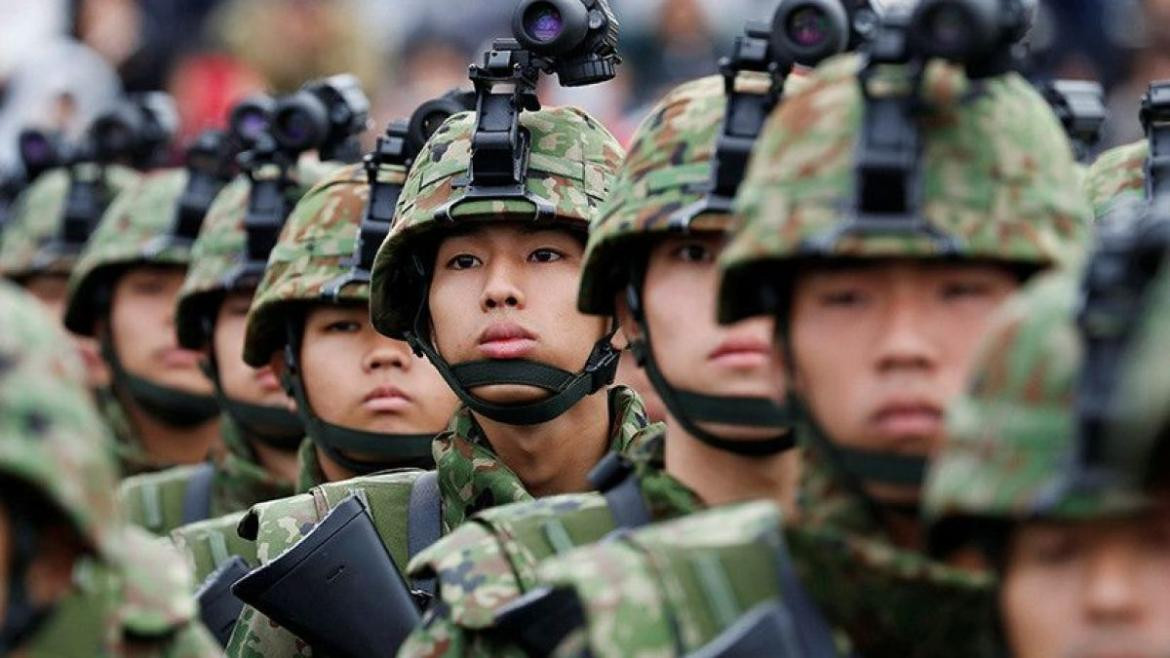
{"x": 338, "y": 589}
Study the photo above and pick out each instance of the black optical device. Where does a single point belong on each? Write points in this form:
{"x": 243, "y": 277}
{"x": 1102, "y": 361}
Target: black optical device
{"x": 325, "y": 115}
{"x": 505, "y": 85}
{"x": 42, "y": 150}
{"x": 577, "y": 39}
{"x": 431, "y": 114}
{"x": 1131, "y": 252}
{"x": 137, "y": 132}
{"x": 250, "y": 120}
{"x": 980, "y": 34}
{"x": 338, "y": 589}
{"x": 809, "y": 31}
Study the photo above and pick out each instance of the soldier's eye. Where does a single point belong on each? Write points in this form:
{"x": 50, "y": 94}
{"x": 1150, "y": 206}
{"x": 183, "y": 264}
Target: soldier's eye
{"x": 694, "y": 252}
{"x": 343, "y": 327}
{"x": 842, "y": 298}
{"x": 956, "y": 290}
{"x": 463, "y": 262}
{"x": 545, "y": 256}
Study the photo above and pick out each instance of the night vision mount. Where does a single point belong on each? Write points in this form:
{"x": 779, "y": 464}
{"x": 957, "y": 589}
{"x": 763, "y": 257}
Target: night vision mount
{"x": 1131, "y": 251}
{"x": 888, "y": 175}
{"x": 577, "y": 40}
{"x": 326, "y": 116}
{"x": 1080, "y": 106}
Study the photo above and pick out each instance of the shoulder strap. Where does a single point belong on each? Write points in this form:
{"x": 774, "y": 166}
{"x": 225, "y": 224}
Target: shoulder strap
{"x": 424, "y": 523}
{"x": 197, "y": 495}
{"x": 614, "y": 477}
{"x": 813, "y": 631}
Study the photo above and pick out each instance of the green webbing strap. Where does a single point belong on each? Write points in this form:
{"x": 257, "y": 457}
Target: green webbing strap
{"x": 884, "y": 468}
{"x": 690, "y": 408}
{"x": 197, "y": 495}
{"x": 391, "y": 450}
{"x": 169, "y": 406}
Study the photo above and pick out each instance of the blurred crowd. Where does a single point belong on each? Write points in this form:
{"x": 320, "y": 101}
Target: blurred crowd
{"x": 61, "y": 61}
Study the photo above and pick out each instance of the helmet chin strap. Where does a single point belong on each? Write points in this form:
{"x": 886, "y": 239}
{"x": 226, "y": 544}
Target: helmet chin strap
{"x": 21, "y": 616}
{"x": 275, "y": 427}
{"x": 565, "y": 388}
{"x": 690, "y": 408}
{"x": 389, "y": 450}
{"x": 167, "y": 405}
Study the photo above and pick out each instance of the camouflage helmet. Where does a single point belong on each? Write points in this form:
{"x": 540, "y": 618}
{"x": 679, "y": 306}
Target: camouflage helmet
{"x": 1012, "y": 437}
{"x": 999, "y": 182}
{"x": 1118, "y": 177}
{"x": 572, "y": 164}
{"x": 313, "y": 253}
{"x": 219, "y": 250}
{"x": 135, "y": 230}
{"x": 51, "y": 436}
{"x": 667, "y": 171}
{"x": 29, "y": 247}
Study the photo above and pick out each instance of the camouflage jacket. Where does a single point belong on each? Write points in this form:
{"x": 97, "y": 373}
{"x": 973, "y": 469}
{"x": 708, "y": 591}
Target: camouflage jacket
{"x": 157, "y": 501}
{"x": 471, "y": 476}
{"x": 878, "y": 594}
{"x": 143, "y": 609}
{"x": 471, "y": 479}
{"x": 309, "y": 473}
{"x": 491, "y": 560}
{"x": 672, "y": 588}
{"x": 128, "y": 452}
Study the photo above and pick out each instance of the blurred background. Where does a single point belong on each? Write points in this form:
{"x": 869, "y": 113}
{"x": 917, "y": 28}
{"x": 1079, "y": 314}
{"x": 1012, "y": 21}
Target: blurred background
{"x": 62, "y": 61}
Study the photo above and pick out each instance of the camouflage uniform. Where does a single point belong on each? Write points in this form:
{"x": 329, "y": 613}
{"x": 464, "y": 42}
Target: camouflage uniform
{"x": 155, "y": 500}
{"x": 129, "y": 595}
{"x": 29, "y": 248}
{"x": 999, "y": 179}
{"x": 667, "y": 169}
{"x": 135, "y": 230}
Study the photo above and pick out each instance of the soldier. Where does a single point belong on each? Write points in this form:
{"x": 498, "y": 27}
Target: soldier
{"x": 654, "y": 243}
{"x": 880, "y": 302}
{"x": 77, "y": 580}
{"x": 259, "y": 425}
{"x": 368, "y": 402}
{"x": 38, "y": 254}
{"x": 1097, "y": 555}
{"x": 123, "y": 292}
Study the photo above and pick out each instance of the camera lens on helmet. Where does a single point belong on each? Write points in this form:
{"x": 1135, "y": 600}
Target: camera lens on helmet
{"x": 810, "y": 31}
{"x": 959, "y": 30}
{"x": 551, "y": 27}
{"x": 808, "y": 27}
{"x": 301, "y": 122}
{"x": 543, "y": 22}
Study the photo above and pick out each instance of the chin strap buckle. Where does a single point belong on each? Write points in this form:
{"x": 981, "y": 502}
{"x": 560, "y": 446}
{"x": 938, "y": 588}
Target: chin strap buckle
{"x": 602, "y": 364}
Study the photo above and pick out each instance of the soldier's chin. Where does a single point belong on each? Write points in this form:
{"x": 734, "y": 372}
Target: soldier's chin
{"x": 509, "y": 394}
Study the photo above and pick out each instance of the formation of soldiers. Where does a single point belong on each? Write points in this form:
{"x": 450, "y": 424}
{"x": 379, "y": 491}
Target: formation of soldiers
{"x": 291, "y": 401}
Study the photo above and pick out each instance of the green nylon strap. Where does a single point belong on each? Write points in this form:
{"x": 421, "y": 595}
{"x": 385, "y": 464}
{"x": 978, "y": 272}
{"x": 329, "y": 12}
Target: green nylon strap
{"x": 169, "y": 406}
{"x": 390, "y": 450}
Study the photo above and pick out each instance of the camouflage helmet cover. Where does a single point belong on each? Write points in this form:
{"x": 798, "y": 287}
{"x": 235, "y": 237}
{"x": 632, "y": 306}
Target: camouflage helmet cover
{"x": 28, "y": 247}
{"x": 1012, "y": 438}
{"x": 51, "y": 436}
{"x": 314, "y": 249}
{"x": 219, "y": 250}
{"x": 572, "y": 165}
{"x": 134, "y": 230}
{"x": 998, "y": 178}
{"x": 667, "y": 169}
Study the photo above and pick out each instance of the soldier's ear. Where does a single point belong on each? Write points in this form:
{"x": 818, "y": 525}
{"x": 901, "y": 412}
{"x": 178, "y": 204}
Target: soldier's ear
{"x": 276, "y": 362}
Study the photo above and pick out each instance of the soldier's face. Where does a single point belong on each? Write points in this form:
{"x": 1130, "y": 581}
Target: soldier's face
{"x": 1088, "y": 590}
{"x": 51, "y": 290}
{"x": 357, "y": 378}
{"x": 142, "y": 318}
{"x": 881, "y": 349}
{"x": 693, "y": 351}
{"x": 239, "y": 380}
{"x": 505, "y": 293}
